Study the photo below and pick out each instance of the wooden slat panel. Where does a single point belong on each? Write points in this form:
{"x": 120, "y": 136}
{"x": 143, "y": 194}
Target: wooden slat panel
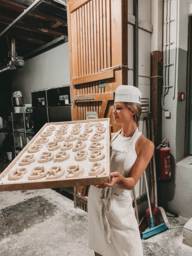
{"x": 101, "y": 38}
{"x": 92, "y": 32}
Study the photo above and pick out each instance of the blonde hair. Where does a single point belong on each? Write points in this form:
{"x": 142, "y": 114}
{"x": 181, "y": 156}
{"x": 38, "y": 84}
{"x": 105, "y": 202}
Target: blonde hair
{"x": 135, "y": 108}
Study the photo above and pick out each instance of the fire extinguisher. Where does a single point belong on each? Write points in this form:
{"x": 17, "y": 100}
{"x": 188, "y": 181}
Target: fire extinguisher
{"x": 164, "y": 161}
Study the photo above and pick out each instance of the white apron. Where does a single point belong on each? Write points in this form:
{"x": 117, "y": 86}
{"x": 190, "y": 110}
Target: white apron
{"x": 112, "y": 226}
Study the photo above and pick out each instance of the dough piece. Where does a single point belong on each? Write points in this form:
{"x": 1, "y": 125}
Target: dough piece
{"x": 28, "y": 159}
{"x": 60, "y": 133}
{"x": 96, "y": 169}
{"x": 100, "y": 129}
{"x": 70, "y": 138}
{"x": 52, "y": 146}
{"x": 84, "y": 136}
{"x": 41, "y": 141}
{"x": 34, "y": 149}
{"x": 50, "y": 128}
{"x": 88, "y": 130}
{"x": 96, "y": 156}
{"x": 17, "y": 174}
{"x": 37, "y": 173}
{"x": 45, "y": 157}
{"x": 79, "y": 145}
{"x": 96, "y": 137}
{"x": 54, "y": 172}
{"x": 75, "y": 131}
{"x": 61, "y": 156}
{"x": 59, "y": 138}
{"x": 80, "y": 155}
{"x": 73, "y": 171}
{"x": 62, "y": 130}
{"x": 46, "y": 134}
{"x": 96, "y": 146}
{"x": 66, "y": 146}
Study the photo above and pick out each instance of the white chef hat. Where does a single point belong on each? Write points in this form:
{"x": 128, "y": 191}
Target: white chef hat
{"x": 128, "y": 93}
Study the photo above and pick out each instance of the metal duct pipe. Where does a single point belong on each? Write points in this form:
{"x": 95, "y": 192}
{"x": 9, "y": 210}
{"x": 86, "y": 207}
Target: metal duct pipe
{"x": 5, "y": 69}
{"x": 13, "y": 50}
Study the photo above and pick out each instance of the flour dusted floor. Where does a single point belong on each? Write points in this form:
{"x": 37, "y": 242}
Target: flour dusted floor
{"x": 45, "y": 223}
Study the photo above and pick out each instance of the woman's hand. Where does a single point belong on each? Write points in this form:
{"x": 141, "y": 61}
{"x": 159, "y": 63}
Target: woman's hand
{"x": 115, "y": 178}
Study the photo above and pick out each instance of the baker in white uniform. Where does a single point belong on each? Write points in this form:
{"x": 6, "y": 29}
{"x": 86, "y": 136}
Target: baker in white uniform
{"x": 113, "y": 229}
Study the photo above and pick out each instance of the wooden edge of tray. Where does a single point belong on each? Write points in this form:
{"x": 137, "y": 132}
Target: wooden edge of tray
{"x": 53, "y": 184}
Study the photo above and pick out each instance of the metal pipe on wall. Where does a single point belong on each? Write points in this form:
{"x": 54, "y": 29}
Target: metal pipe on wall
{"x": 136, "y": 44}
{"x": 156, "y": 68}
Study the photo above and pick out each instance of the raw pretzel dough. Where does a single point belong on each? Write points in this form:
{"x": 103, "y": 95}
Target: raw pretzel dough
{"x": 54, "y": 172}
{"x": 71, "y": 137}
{"x": 46, "y": 134}
{"x": 84, "y": 136}
{"x": 61, "y": 156}
{"x": 59, "y": 138}
{"x": 52, "y": 146}
{"x": 88, "y": 129}
{"x": 45, "y": 157}
{"x": 100, "y": 129}
{"x": 73, "y": 171}
{"x": 96, "y": 146}
{"x": 96, "y": 137}
{"x": 28, "y": 159}
{"x": 80, "y": 155}
{"x": 66, "y": 146}
{"x": 50, "y": 128}
{"x": 96, "y": 156}
{"x": 75, "y": 131}
{"x": 17, "y": 174}
{"x": 34, "y": 149}
{"x": 37, "y": 173}
{"x": 41, "y": 141}
{"x": 79, "y": 145}
{"x": 96, "y": 169}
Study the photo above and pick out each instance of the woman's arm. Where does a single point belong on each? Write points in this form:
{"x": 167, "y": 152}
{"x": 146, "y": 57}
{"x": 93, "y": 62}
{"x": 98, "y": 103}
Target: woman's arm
{"x": 144, "y": 149}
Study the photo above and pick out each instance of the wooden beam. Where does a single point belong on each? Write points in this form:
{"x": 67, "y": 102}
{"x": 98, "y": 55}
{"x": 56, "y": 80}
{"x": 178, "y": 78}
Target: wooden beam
{"x": 37, "y": 30}
{"x": 18, "y": 8}
{"x": 94, "y": 77}
{"x": 93, "y": 97}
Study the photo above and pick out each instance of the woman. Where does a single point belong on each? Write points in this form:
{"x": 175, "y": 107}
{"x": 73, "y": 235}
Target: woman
{"x": 113, "y": 229}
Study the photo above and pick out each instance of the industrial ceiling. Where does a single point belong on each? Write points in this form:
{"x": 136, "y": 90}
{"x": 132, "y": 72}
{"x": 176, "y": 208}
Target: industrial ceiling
{"x": 36, "y": 26}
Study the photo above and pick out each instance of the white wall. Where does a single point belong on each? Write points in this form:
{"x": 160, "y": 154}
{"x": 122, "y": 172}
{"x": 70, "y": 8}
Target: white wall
{"x": 174, "y": 128}
{"x": 144, "y": 50}
{"x": 47, "y": 70}
{"x": 177, "y": 75}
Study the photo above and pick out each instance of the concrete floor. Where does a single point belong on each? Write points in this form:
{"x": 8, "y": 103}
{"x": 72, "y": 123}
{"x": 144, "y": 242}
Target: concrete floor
{"x": 45, "y": 223}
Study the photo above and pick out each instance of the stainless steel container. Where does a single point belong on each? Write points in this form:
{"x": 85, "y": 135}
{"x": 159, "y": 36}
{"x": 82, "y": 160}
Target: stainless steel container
{"x": 17, "y": 98}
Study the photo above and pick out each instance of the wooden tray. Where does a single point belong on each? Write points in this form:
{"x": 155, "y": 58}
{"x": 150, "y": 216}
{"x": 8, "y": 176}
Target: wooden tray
{"x": 63, "y": 181}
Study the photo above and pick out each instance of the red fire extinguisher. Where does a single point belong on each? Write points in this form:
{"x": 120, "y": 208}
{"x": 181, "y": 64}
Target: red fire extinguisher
{"x": 164, "y": 157}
